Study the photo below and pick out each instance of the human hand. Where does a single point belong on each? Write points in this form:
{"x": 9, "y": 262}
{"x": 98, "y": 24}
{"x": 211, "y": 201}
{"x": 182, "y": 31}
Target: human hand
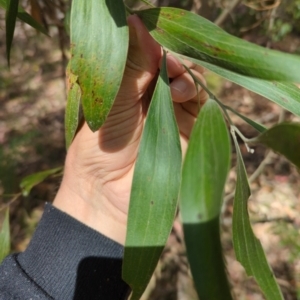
{"x": 99, "y": 165}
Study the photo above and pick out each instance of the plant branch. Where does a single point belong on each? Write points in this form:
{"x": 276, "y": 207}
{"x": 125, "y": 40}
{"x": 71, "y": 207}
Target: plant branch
{"x": 148, "y": 3}
{"x": 245, "y": 140}
{"x": 262, "y": 165}
{"x": 254, "y": 175}
{"x": 16, "y": 196}
{"x": 129, "y": 10}
{"x": 211, "y": 95}
{"x": 278, "y": 219}
{"x": 226, "y": 12}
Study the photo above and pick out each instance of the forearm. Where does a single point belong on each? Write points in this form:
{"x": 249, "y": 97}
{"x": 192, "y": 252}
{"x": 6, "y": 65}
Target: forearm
{"x": 65, "y": 260}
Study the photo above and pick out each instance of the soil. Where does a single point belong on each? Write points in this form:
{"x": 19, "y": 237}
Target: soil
{"x": 32, "y": 98}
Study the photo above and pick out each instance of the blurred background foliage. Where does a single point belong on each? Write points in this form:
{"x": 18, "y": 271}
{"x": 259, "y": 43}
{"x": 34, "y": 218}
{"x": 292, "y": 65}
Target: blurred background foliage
{"x": 32, "y": 99}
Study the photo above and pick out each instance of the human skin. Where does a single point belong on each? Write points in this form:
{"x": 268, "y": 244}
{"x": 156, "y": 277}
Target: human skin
{"x": 99, "y": 165}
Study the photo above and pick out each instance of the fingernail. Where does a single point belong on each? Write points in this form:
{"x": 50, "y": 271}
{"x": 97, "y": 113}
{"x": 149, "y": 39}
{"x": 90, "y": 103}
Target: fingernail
{"x": 172, "y": 62}
{"x": 172, "y": 59}
{"x": 179, "y": 85}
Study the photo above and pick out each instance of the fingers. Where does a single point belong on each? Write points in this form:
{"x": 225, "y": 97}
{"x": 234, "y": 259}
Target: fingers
{"x": 144, "y": 52}
{"x": 184, "y": 119}
{"x": 183, "y": 88}
{"x": 143, "y": 58}
{"x": 187, "y": 98}
{"x": 175, "y": 67}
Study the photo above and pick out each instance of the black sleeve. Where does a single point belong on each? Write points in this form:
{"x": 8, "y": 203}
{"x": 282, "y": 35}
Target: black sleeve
{"x": 65, "y": 260}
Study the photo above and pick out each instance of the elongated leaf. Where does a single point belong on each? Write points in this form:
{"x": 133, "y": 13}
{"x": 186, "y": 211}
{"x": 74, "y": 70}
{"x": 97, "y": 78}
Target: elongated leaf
{"x": 287, "y": 95}
{"x": 99, "y": 44}
{"x": 285, "y": 139}
{"x": 4, "y": 234}
{"x": 25, "y": 17}
{"x": 204, "y": 175}
{"x": 247, "y": 247}
{"x": 72, "y": 108}
{"x": 32, "y": 180}
{"x": 259, "y": 127}
{"x": 191, "y": 35}
{"x": 154, "y": 190}
{"x": 10, "y": 21}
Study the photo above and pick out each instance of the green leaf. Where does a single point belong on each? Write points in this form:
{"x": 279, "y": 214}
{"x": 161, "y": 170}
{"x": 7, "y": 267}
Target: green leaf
{"x": 204, "y": 175}
{"x": 287, "y": 95}
{"x": 72, "y": 108}
{"x": 154, "y": 190}
{"x": 10, "y": 21}
{"x": 284, "y": 139}
{"x": 191, "y": 35}
{"x": 259, "y": 127}
{"x": 247, "y": 247}
{"x": 25, "y": 17}
{"x": 32, "y": 180}
{"x": 4, "y": 234}
{"x": 99, "y": 44}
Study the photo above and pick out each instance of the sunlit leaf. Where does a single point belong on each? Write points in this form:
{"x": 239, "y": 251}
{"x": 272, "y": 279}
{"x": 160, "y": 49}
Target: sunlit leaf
{"x": 32, "y": 180}
{"x": 284, "y": 139}
{"x": 259, "y": 127}
{"x": 154, "y": 190}
{"x": 99, "y": 44}
{"x": 204, "y": 175}
{"x": 72, "y": 108}
{"x": 4, "y": 234}
{"x": 247, "y": 247}
{"x": 10, "y": 21}
{"x": 25, "y": 17}
{"x": 287, "y": 95}
{"x": 194, "y": 36}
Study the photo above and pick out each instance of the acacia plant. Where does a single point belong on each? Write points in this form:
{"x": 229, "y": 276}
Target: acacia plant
{"x": 99, "y": 37}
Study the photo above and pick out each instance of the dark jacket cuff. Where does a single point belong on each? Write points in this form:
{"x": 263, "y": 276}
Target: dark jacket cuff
{"x": 69, "y": 260}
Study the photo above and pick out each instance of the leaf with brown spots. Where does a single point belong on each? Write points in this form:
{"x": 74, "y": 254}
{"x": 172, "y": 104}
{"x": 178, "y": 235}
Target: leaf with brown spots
{"x": 99, "y": 39}
{"x": 285, "y": 94}
{"x": 72, "y": 108}
{"x": 191, "y": 35}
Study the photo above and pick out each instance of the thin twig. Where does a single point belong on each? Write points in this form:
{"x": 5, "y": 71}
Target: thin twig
{"x": 262, "y": 165}
{"x": 277, "y": 219}
{"x": 129, "y": 10}
{"x": 264, "y": 6}
{"x": 211, "y": 95}
{"x": 10, "y": 202}
{"x": 226, "y": 12}
{"x": 148, "y": 3}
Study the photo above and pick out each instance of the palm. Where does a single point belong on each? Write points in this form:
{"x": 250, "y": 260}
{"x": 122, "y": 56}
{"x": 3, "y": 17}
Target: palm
{"x": 102, "y": 162}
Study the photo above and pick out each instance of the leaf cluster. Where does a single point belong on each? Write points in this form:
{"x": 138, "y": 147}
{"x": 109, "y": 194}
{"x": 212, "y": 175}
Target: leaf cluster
{"x": 97, "y": 28}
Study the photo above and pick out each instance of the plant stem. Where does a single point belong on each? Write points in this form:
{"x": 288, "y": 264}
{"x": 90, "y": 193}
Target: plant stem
{"x": 148, "y": 3}
{"x": 211, "y": 95}
{"x": 226, "y": 12}
{"x": 129, "y": 10}
{"x": 222, "y": 106}
{"x": 245, "y": 140}
{"x": 16, "y": 196}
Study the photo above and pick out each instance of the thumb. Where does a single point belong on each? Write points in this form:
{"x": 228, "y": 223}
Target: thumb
{"x": 144, "y": 54}
{"x": 144, "y": 51}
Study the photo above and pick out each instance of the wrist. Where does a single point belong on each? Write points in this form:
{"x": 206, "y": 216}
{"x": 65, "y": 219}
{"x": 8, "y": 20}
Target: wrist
{"x": 91, "y": 208}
